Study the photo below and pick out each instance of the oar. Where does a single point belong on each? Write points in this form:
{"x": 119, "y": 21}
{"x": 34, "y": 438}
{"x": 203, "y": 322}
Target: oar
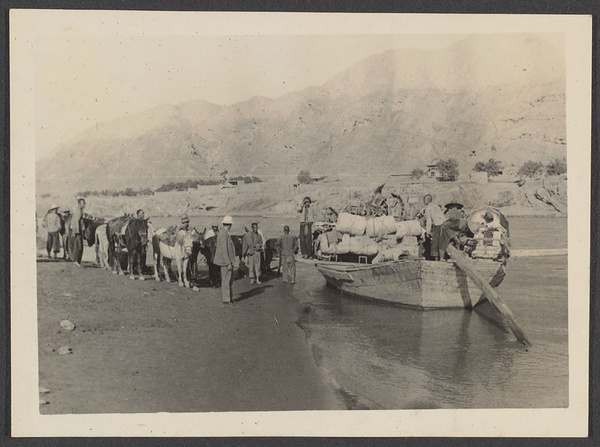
{"x": 465, "y": 264}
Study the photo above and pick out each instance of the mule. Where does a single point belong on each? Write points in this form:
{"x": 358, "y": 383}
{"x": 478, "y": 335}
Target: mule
{"x": 181, "y": 253}
{"x": 101, "y": 246}
{"x": 134, "y": 239}
{"x": 272, "y": 249}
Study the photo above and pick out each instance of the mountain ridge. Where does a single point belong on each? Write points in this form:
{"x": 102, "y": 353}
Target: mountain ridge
{"x": 390, "y": 112}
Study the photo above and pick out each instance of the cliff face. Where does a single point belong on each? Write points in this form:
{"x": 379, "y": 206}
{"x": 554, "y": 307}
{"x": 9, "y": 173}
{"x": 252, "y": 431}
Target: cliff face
{"x": 500, "y": 96}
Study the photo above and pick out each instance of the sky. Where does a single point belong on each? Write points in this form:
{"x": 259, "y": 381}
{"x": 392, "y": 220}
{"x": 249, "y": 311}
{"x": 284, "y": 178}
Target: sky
{"x": 84, "y": 80}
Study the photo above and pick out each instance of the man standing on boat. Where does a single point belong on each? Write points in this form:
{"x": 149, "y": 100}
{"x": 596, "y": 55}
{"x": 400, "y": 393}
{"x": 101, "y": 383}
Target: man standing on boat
{"x": 306, "y": 221}
{"x": 434, "y": 218}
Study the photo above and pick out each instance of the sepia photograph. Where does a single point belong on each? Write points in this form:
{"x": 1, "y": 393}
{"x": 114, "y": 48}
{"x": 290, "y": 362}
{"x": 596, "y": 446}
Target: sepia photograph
{"x": 289, "y": 223}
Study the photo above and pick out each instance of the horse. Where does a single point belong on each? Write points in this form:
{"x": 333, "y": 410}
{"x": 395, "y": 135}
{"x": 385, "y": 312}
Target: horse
{"x": 101, "y": 245}
{"x": 134, "y": 239}
{"x": 271, "y": 249}
{"x": 181, "y": 253}
{"x": 90, "y": 227}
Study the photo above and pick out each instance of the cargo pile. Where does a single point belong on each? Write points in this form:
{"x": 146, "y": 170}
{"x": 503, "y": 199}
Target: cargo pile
{"x": 482, "y": 235}
{"x": 381, "y": 237}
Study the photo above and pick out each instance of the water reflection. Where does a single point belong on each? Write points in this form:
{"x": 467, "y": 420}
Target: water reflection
{"x": 403, "y": 358}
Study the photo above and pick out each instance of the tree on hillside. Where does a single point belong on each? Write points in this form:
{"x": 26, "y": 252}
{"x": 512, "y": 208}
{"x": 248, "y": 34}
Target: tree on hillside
{"x": 304, "y": 177}
{"x": 448, "y": 170}
{"x": 417, "y": 173}
{"x": 492, "y": 167}
{"x": 556, "y": 167}
{"x": 531, "y": 169}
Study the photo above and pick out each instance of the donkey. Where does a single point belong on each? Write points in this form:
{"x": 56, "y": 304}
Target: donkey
{"x": 181, "y": 253}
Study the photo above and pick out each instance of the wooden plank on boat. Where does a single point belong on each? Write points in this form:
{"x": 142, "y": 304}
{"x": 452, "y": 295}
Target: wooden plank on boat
{"x": 465, "y": 264}
{"x": 337, "y": 274}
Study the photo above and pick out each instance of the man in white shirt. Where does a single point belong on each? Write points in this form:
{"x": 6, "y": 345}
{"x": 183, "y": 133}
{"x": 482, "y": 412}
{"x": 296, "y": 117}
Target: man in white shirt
{"x": 434, "y": 218}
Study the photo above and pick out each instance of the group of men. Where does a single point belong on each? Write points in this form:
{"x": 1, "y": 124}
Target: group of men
{"x": 253, "y": 247}
{"x": 68, "y": 227}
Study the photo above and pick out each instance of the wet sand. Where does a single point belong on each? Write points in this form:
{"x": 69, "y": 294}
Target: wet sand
{"x": 144, "y": 346}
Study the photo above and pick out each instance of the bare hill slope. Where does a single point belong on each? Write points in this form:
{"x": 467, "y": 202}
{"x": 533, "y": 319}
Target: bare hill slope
{"x": 498, "y": 95}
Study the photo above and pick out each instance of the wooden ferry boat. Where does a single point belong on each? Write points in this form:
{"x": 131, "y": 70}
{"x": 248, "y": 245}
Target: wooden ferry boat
{"x": 413, "y": 282}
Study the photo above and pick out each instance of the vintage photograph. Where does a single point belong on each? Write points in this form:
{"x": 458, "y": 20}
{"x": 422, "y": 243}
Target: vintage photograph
{"x": 240, "y": 221}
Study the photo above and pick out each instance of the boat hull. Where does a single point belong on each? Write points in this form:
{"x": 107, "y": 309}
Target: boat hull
{"x": 417, "y": 283}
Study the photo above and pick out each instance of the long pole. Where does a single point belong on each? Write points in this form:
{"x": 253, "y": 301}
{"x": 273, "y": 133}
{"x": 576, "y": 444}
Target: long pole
{"x": 465, "y": 264}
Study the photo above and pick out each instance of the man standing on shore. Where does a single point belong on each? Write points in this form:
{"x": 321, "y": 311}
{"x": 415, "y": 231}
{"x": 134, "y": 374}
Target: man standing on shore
{"x": 52, "y": 224}
{"x": 210, "y": 239}
{"x": 252, "y": 245}
{"x": 225, "y": 257}
{"x": 76, "y": 228}
{"x": 66, "y": 233}
{"x": 434, "y": 218}
{"x": 306, "y": 221}
{"x": 288, "y": 247}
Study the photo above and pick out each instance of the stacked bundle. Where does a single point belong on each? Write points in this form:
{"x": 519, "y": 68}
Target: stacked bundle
{"x": 369, "y": 237}
{"x": 351, "y": 224}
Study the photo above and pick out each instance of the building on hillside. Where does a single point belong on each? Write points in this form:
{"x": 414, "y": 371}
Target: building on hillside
{"x": 231, "y": 188}
{"x": 432, "y": 171}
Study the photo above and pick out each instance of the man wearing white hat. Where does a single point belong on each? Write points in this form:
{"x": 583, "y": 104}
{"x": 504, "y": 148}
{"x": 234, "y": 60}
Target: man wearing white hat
{"x": 225, "y": 257}
{"x": 52, "y": 224}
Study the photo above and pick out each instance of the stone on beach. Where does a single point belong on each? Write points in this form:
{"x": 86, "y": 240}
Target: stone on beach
{"x": 67, "y": 325}
{"x": 64, "y": 350}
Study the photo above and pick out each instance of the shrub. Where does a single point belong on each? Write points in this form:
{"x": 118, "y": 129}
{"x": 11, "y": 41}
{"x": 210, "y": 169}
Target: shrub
{"x": 448, "y": 170}
{"x": 492, "y": 167}
{"x": 531, "y": 169}
{"x": 557, "y": 167}
{"x": 417, "y": 173}
{"x": 304, "y": 177}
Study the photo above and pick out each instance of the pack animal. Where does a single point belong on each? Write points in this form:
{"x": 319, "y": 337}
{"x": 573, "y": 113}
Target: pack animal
{"x": 134, "y": 238}
{"x": 181, "y": 252}
{"x": 271, "y": 249}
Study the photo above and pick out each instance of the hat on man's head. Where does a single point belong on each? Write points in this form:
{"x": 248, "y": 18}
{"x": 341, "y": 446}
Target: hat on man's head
{"x": 53, "y": 207}
{"x": 227, "y": 220}
{"x": 306, "y": 199}
{"x": 66, "y": 210}
{"x": 185, "y": 219}
{"x": 215, "y": 224}
{"x": 457, "y": 205}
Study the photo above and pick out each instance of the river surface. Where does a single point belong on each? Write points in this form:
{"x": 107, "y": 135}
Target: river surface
{"x": 389, "y": 357}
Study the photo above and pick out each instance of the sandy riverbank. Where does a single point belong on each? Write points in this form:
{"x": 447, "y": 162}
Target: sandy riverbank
{"x": 150, "y": 347}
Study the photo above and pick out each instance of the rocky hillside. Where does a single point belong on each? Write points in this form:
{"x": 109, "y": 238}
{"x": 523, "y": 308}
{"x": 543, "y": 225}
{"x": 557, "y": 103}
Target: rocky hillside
{"x": 501, "y": 96}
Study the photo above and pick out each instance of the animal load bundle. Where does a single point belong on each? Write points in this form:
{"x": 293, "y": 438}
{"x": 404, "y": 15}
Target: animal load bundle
{"x": 409, "y": 228}
{"x": 167, "y": 235}
{"x": 118, "y": 225}
{"x": 351, "y": 224}
{"x": 380, "y": 226}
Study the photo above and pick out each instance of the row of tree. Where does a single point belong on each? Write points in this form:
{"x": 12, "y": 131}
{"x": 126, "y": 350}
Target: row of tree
{"x": 172, "y": 186}
{"x": 448, "y": 169}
